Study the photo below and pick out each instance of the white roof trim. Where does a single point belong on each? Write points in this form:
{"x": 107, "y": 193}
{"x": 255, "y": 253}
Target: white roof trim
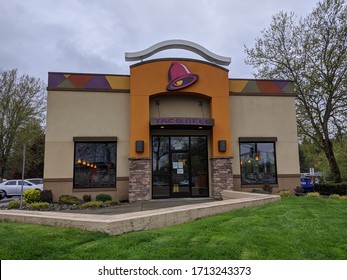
{"x": 178, "y": 44}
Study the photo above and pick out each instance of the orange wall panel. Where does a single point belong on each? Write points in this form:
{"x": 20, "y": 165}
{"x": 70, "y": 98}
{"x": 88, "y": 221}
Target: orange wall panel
{"x": 151, "y": 78}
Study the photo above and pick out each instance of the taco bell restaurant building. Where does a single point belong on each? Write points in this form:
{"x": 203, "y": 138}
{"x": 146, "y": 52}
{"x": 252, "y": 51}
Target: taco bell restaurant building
{"x": 173, "y": 128}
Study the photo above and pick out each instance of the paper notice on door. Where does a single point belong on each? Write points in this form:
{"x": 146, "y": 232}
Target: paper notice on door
{"x": 174, "y": 165}
{"x": 180, "y": 164}
{"x": 180, "y": 171}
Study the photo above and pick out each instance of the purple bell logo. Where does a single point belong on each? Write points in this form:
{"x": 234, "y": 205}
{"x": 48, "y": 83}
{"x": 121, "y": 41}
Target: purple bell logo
{"x": 180, "y": 77}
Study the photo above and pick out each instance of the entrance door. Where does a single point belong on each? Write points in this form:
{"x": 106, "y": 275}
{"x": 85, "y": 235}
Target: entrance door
{"x": 179, "y": 166}
{"x": 180, "y": 175}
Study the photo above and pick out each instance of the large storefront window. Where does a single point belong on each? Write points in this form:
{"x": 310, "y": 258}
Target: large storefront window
{"x": 258, "y": 163}
{"x": 95, "y": 165}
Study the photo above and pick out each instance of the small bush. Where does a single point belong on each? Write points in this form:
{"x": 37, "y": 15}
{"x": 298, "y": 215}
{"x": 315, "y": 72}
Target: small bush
{"x": 91, "y": 204}
{"x": 87, "y": 198}
{"x": 32, "y": 196}
{"x": 284, "y": 193}
{"x": 38, "y": 206}
{"x": 343, "y": 197}
{"x": 13, "y": 204}
{"x": 69, "y": 199}
{"x": 313, "y": 194}
{"x": 103, "y": 197}
{"x": 334, "y": 196}
{"x": 46, "y": 196}
{"x": 267, "y": 188}
{"x": 299, "y": 191}
{"x": 110, "y": 203}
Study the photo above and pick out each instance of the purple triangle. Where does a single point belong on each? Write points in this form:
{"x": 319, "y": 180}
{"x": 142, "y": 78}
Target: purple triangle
{"x": 55, "y": 79}
{"x": 97, "y": 82}
{"x": 281, "y": 84}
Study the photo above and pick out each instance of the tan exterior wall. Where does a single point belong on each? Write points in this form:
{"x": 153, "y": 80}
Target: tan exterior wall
{"x": 267, "y": 116}
{"x": 84, "y": 114}
{"x": 179, "y": 106}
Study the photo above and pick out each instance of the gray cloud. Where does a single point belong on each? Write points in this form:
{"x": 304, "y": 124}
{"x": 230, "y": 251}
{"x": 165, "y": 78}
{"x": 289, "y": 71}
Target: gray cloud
{"x": 40, "y": 36}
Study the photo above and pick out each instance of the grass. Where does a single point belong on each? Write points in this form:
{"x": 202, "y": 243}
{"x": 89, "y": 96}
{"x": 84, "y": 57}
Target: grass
{"x": 296, "y": 228}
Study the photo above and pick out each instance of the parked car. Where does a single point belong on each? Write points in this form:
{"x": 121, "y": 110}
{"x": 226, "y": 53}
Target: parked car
{"x": 13, "y": 187}
{"x": 307, "y": 184}
{"x": 36, "y": 181}
{"x": 2, "y": 194}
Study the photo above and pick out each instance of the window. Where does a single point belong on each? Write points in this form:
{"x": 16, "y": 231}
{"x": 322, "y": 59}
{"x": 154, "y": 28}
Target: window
{"x": 258, "y": 163}
{"x": 95, "y": 165}
{"x": 11, "y": 183}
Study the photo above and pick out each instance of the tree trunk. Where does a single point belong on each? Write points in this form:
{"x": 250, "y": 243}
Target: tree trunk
{"x": 334, "y": 168}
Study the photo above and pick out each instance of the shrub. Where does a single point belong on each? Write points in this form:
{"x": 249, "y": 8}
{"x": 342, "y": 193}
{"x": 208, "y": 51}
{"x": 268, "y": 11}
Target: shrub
{"x": 313, "y": 194}
{"x": 284, "y": 193}
{"x": 46, "y": 196}
{"x": 13, "y": 204}
{"x": 87, "y": 198}
{"x": 69, "y": 199}
{"x": 267, "y": 188}
{"x": 110, "y": 203}
{"x": 91, "y": 204}
{"x": 298, "y": 190}
{"x": 331, "y": 188}
{"x": 103, "y": 197}
{"x": 334, "y": 196}
{"x": 38, "y": 206}
{"x": 32, "y": 196}
{"x": 343, "y": 197}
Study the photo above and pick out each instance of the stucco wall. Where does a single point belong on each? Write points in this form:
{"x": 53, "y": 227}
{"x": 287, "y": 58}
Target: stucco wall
{"x": 267, "y": 116}
{"x": 83, "y": 114}
{"x": 179, "y": 106}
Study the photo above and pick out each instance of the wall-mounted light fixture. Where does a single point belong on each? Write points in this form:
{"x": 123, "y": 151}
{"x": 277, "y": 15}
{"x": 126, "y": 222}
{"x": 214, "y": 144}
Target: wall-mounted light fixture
{"x": 139, "y": 146}
{"x": 222, "y": 146}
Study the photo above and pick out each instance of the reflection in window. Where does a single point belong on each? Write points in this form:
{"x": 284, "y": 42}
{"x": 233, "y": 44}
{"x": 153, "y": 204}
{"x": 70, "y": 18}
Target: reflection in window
{"x": 160, "y": 166}
{"x": 199, "y": 166}
{"x": 95, "y": 165}
{"x": 180, "y": 143}
{"x": 258, "y": 163}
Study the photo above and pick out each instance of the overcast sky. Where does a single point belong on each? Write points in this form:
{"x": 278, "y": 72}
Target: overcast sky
{"x": 92, "y": 36}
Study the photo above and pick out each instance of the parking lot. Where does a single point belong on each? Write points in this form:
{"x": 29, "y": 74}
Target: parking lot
{"x": 6, "y": 200}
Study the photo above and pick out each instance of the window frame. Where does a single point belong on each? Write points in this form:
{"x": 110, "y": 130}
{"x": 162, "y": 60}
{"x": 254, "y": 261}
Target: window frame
{"x": 94, "y": 140}
{"x": 255, "y": 141}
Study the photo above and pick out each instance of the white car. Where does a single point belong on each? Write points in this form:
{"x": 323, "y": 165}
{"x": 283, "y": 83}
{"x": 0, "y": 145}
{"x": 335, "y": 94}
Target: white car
{"x": 13, "y": 187}
{"x": 36, "y": 181}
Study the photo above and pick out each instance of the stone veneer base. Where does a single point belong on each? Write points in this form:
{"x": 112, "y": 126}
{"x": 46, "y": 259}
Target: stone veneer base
{"x": 139, "y": 179}
{"x": 221, "y": 175}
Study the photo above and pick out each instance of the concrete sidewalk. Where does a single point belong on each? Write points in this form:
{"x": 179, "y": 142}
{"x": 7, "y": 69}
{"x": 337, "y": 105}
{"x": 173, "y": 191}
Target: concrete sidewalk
{"x": 140, "y": 216}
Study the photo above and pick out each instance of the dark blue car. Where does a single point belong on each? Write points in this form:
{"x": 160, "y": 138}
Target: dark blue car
{"x": 307, "y": 184}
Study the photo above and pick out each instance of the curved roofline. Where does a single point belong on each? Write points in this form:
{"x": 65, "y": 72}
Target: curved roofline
{"x": 178, "y": 44}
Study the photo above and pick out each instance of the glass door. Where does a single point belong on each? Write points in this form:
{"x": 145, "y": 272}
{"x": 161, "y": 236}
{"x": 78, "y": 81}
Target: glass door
{"x": 180, "y": 175}
{"x": 179, "y": 166}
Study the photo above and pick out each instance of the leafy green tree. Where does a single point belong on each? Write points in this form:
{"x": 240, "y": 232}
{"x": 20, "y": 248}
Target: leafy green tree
{"x": 34, "y": 138}
{"x": 312, "y": 52}
{"x": 22, "y": 108}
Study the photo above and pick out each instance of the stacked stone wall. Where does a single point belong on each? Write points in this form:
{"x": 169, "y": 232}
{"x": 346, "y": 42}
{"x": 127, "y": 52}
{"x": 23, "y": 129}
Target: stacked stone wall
{"x": 139, "y": 179}
{"x": 221, "y": 176}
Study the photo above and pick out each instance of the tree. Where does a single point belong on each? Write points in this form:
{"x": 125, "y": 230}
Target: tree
{"x": 34, "y": 138}
{"x": 313, "y": 54}
{"x": 22, "y": 107}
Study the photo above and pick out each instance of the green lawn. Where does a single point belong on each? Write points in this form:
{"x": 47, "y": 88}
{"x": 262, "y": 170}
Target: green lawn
{"x": 296, "y": 228}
